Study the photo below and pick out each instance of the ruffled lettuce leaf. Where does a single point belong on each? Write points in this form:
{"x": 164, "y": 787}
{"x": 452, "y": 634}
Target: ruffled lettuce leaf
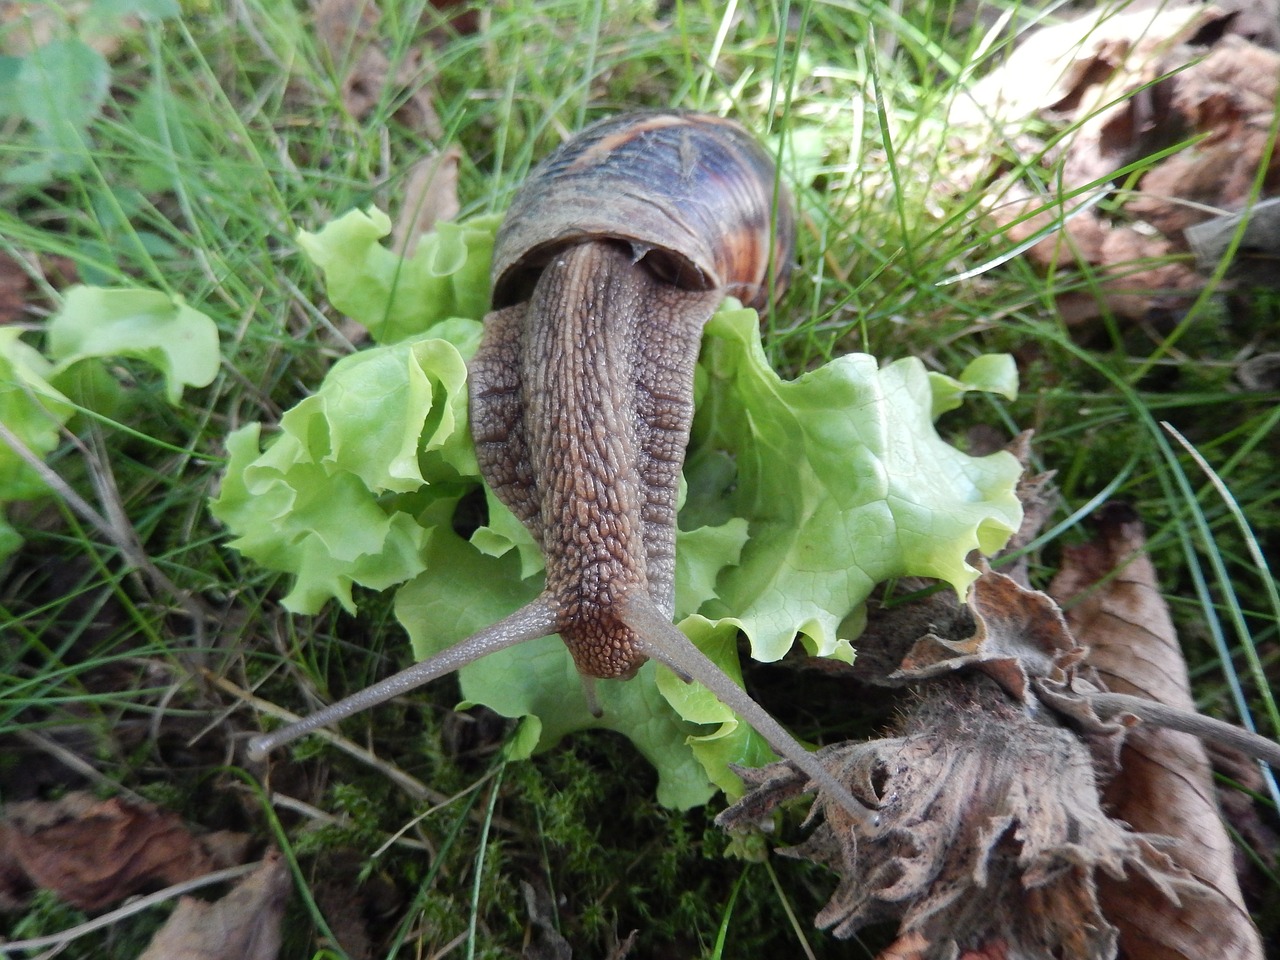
{"x": 395, "y": 297}
{"x": 163, "y": 330}
{"x": 464, "y": 590}
{"x": 334, "y": 497}
{"x": 845, "y": 483}
{"x": 34, "y": 412}
{"x": 39, "y": 393}
{"x": 801, "y": 496}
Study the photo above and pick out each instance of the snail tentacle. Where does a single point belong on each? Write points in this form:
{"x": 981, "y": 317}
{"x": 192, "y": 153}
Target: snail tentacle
{"x": 663, "y": 642}
{"x": 534, "y": 620}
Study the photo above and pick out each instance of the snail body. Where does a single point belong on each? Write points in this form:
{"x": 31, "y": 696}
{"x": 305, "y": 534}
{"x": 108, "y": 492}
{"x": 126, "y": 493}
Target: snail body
{"x": 613, "y": 256}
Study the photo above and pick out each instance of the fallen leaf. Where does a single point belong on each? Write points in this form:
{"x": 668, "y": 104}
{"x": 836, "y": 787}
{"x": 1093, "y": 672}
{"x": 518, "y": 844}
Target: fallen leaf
{"x": 1165, "y": 785}
{"x": 430, "y": 195}
{"x": 93, "y": 853}
{"x": 14, "y": 285}
{"x": 18, "y": 292}
{"x": 1228, "y": 101}
{"x": 243, "y": 925}
{"x": 1122, "y": 85}
{"x": 348, "y": 29}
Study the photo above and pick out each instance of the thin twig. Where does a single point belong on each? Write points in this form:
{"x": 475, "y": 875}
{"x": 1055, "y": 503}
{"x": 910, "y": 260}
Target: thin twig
{"x": 129, "y": 909}
{"x": 286, "y": 802}
{"x": 75, "y": 762}
{"x": 410, "y": 784}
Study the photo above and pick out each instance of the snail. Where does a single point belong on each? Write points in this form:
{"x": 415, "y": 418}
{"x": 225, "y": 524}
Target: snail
{"x": 613, "y": 256}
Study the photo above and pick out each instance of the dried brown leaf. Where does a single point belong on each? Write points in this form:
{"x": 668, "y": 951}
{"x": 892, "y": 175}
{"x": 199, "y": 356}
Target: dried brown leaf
{"x": 430, "y": 195}
{"x": 14, "y": 286}
{"x": 1165, "y": 786}
{"x": 1228, "y": 100}
{"x": 1017, "y": 634}
{"x": 18, "y": 292}
{"x": 1123, "y": 85}
{"x": 93, "y": 852}
{"x": 1072, "y": 67}
{"x": 243, "y": 925}
{"x": 348, "y": 29}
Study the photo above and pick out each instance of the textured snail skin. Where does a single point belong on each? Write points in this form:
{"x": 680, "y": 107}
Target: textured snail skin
{"x": 613, "y": 256}
{"x": 626, "y": 239}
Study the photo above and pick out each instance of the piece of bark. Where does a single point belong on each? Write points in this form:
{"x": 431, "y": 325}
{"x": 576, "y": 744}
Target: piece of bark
{"x": 243, "y": 925}
{"x": 93, "y": 853}
{"x": 1165, "y": 783}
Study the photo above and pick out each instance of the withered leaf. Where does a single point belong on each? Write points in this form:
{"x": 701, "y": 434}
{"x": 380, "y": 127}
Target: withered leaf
{"x": 17, "y": 289}
{"x": 14, "y": 284}
{"x": 93, "y": 853}
{"x": 1164, "y": 785}
{"x": 348, "y": 30}
{"x": 1122, "y": 82}
{"x": 243, "y": 925}
{"x": 1228, "y": 101}
{"x": 430, "y": 195}
{"x": 1017, "y": 634}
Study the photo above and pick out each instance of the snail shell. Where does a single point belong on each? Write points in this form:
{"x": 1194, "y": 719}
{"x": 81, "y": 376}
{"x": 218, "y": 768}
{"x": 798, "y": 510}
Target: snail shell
{"x": 694, "y": 196}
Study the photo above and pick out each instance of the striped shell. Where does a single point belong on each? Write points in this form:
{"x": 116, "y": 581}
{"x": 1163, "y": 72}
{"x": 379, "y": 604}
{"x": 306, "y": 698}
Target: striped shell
{"x": 693, "y": 195}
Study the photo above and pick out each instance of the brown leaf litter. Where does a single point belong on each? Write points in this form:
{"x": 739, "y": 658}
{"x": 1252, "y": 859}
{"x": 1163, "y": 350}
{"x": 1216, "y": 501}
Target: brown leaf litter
{"x": 1118, "y": 84}
{"x": 1109, "y": 589}
{"x": 20, "y": 288}
{"x": 243, "y": 925}
{"x": 1011, "y": 815}
{"x": 348, "y": 30}
{"x": 92, "y": 853}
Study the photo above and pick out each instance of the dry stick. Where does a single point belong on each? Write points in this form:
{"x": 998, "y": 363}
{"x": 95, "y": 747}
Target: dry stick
{"x": 414, "y": 787}
{"x": 129, "y": 909}
{"x": 1110, "y": 705}
{"x": 409, "y": 784}
{"x": 123, "y": 540}
{"x": 73, "y": 762}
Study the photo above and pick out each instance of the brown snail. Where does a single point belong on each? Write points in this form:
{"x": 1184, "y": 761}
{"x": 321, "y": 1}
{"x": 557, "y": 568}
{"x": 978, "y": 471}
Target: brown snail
{"x": 612, "y": 258}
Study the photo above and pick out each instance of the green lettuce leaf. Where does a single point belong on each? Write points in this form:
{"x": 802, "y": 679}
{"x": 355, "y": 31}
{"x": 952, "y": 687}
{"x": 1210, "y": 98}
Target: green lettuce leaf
{"x": 800, "y": 497}
{"x": 34, "y": 412}
{"x": 845, "y": 482}
{"x": 464, "y": 590}
{"x": 176, "y": 339}
{"x": 394, "y": 297}
{"x": 38, "y": 396}
{"x": 320, "y": 501}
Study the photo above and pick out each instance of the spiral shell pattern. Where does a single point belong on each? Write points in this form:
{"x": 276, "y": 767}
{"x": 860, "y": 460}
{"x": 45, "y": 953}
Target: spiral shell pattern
{"x": 693, "y": 195}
